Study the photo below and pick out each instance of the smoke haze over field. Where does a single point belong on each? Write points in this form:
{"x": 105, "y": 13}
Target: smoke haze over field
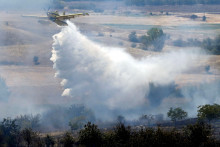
{"x": 109, "y": 80}
{"x": 106, "y": 80}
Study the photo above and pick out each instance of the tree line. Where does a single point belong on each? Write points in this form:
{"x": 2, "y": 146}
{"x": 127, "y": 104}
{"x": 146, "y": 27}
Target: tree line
{"x": 14, "y": 134}
{"x": 194, "y": 135}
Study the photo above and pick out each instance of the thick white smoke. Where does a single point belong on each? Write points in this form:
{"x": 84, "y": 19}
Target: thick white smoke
{"x": 108, "y": 79}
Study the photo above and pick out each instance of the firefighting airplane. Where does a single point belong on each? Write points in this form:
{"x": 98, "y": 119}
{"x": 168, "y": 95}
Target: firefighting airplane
{"x": 54, "y": 16}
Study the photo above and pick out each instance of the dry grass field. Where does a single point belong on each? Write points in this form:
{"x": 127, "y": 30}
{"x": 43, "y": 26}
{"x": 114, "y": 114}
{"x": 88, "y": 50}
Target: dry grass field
{"x": 23, "y": 38}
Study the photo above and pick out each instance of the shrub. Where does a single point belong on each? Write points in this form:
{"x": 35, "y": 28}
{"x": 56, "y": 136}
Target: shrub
{"x": 36, "y": 60}
{"x": 180, "y": 43}
{"x": 169, "y": 138}
{"x": 204, "y": 18}
{"x": 10, "y": 132}
{"x": 190, "y": 42}
{"x": 143, "y": 138}
{"x": 108, "y": 139}
{"x": 133, "y": 45}
{"x": 49, "y": 141}
{"x": 29, "y": 136}
{"x": 207, "y": 68}
{"x": 198, "y": 133}
{"x": 212, "y": 45}
{"x": 193, "y": 16}
{"x": 133, "y": 37}
{"x": 67, "y": 140}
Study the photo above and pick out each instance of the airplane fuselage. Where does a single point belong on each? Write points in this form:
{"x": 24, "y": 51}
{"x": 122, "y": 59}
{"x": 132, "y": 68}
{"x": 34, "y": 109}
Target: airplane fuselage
{"x": 58, "y": 19}
{"x": 53, "y": 16}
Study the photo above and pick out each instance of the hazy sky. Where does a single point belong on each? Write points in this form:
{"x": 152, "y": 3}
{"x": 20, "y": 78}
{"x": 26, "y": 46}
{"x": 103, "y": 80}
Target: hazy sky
{"x": 24, "y": 4}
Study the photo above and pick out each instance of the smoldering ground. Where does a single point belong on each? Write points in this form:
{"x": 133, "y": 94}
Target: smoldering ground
{"x": 110, "y": 81}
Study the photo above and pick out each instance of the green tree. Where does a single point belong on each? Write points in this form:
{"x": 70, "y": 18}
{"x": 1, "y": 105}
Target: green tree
{"x": 154, "y": 33}
{"x": 209, "y": 112}
{"x": 176, "y": 114}
{"x": 122, "y": 135}
{"x": 154, "y": 40}
{"x": 90, "y": 135}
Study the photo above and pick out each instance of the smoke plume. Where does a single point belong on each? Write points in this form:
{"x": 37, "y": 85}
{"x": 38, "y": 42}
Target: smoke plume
{"x": 108, "y": 79}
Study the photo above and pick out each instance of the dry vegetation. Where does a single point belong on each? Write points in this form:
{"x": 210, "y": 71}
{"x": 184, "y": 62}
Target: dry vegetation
{"x": 24, "y": 38}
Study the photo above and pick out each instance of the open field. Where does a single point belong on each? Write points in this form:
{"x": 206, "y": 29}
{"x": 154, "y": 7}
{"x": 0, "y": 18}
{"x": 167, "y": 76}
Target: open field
{"x": 24, "y": 38}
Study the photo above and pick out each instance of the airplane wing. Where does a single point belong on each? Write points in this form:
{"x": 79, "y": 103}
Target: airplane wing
{"x": 63, "y": 17}
{"x": 35, "y": 16}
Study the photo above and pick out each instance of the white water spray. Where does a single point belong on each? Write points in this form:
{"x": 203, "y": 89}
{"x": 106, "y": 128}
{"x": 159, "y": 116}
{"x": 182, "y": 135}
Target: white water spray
{"x": 108, "y": 79}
